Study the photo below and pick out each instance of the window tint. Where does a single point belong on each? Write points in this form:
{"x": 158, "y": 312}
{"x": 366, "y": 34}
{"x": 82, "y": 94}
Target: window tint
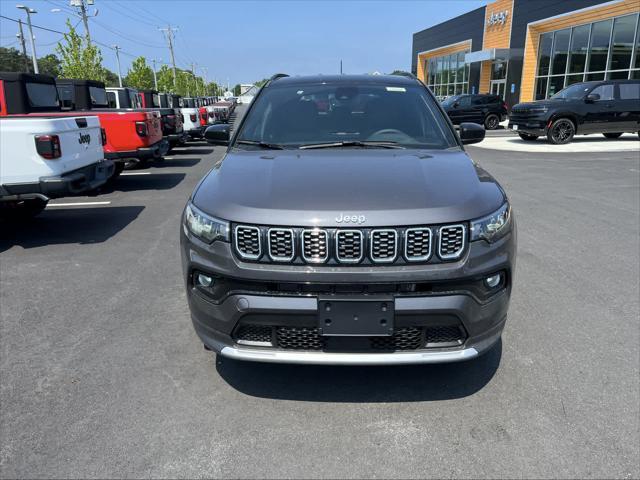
{"x": 465, "y": 102}
{"x": 560, "y": 51}
{"x": 629, "y": 91}
{"x": 544, "y": 55}
{"x": 111, "y": 99}
{"x": 579, "y": 48}
{"x": 98, "y": 96}
{"x": 42, "y": 94}
{"x": 623, "y": 32}
{"x": 600, "y": 34}
{"x": 478, "y": 100}
{"x": 291, "y": 115}
{"x": 605, "y": 91}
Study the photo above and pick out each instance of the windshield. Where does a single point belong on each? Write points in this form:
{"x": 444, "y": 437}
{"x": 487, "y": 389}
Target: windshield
{"x": 450, "y": 100}
{"x": 42, "y": 94}
{"x": 574, "y": 92}
{"x": 98, "y": 96}
{"x": 134, "y": 99}
{"x": 305, "y": 114}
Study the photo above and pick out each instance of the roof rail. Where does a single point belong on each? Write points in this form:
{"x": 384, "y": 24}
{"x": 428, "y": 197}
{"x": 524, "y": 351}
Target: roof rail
{"x": 276, "y": 77}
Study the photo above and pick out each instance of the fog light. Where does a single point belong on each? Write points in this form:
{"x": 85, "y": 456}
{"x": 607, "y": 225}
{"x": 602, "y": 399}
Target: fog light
{"x": 204, "y": 280}
{"x": 493, "y": 281}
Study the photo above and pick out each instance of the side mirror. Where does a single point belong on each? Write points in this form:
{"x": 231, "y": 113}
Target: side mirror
{"x": 471, "y": 133}
{"x": 456, "y": 105}
{"x": 217, "y": 134}
{"x": 592, "y": 97}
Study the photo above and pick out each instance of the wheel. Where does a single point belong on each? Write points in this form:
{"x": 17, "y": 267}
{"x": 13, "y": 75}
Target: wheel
{"x": 528, "y": 137}
{"x": 613, "y": 135}
{"x": 23, "y": 209}
{"x": 561, "y": 131}
{"x": 117, "y": 170}
{"x": 491, "y": 121}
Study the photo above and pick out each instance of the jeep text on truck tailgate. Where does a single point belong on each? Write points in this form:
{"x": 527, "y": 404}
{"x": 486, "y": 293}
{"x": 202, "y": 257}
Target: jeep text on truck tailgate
{"x": 131, "y": 135}
{"x": 43, "y": 157}
{"x": 362, "y": 234}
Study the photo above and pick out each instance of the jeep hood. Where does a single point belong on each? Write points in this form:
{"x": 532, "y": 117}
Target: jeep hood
{"x": 313, "y": 187}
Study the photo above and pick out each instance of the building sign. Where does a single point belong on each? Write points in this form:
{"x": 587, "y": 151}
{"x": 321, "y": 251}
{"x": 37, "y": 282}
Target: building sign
{"x": 497, "y": 18}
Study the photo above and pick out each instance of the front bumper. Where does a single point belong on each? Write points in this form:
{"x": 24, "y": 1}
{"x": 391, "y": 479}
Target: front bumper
{"x": 196, "y": 132}
{"x": 217, "y": 322}
{"x": 71, "y": 183}
{"x": 154, "y": 151}
{"x": 528, "y": 124}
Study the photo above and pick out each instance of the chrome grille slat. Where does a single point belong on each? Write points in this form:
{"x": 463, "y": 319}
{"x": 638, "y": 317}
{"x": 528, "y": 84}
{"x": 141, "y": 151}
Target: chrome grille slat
{"x": 248, "y": 242}
{"x": 451, "y": 241}
{"x": 349, "y": 246}
{"x": 383, "y": 246}
{"x": 417, "y": 244}
{"x": 281, "y": 244}
{"x": 315, "y": 245}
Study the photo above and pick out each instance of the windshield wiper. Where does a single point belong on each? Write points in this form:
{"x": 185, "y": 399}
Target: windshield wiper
{"x": 266, "y": 146}
{"x": 351, "y": 143}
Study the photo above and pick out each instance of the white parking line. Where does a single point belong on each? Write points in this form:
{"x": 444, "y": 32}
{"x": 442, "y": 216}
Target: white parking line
{"x": 125, "y": 174}
{"x": 77, "y": 204}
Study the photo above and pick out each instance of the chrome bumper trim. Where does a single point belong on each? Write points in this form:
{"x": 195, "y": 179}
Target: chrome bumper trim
{"x": 322, "y": 358}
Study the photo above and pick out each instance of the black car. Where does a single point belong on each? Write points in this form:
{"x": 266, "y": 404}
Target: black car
{"x": 355, "y": 232}
{"x": 608, "y": 107}
{"x": 485, "y": 109}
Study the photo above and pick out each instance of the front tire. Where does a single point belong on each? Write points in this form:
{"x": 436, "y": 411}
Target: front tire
{"x": 491, "y": 122}
{"x": 561, "y": 131}
{"x": 613, "y": 135}
{"x": 527, "y": 137}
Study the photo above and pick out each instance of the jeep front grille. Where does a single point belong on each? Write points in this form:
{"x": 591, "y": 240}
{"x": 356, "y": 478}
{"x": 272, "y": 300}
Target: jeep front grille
{"x": 395, "y": 245}
{"x": 349, "y": 246}
{"x": 452, "y": 241}
{"x": 315, "y": 248}
{"x": 417, "y": 244}
{"x": 248, "y": 242}
{"x": 281, "y": 244}
{"x": 384, "y": 245}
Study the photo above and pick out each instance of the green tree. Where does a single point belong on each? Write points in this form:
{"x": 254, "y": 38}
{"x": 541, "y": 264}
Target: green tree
{"x": 165, "y": 79}
{"x": 79, "y": 59}
{"x": 400, "y": 72}
{"x": 236, "y": 90}
{"x": 49, "y": 65}
{"x": 140, "y": 75}
{"x": 111, "y": 79}
{"x": 260, "y": 83}
{"x": 11, "y": 60}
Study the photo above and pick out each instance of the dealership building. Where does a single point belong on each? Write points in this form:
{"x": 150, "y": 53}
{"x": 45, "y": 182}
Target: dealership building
{"x": 526, "y": 50}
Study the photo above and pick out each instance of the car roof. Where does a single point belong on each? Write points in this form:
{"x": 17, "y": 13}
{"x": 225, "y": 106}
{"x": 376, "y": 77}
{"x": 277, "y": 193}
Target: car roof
{"x": 79, "y": 81}
{"x": 346, "y": 79}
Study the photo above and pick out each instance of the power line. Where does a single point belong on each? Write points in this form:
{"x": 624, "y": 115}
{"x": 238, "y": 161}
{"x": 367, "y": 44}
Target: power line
{"x": 125, "y": 37}
{"x": 122, "y": 11}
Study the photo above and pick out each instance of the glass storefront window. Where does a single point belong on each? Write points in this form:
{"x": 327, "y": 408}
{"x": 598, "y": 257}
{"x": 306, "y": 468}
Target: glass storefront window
{"x": 541, "y": 88}
{"x": 447, "y": 75}
{"x": 608, "y": 49}
{"x": 560, "y": 51}
{"x": 599, "y": 47}
{"x": 624, "y": 29}
{"x": 498, "y": 70}
{"x": 546, "y": 41}
{"x": 579, "y": 48}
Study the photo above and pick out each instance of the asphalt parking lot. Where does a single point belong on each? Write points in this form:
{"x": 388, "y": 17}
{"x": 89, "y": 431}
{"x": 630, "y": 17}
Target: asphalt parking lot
{"x": 103, "y": 376}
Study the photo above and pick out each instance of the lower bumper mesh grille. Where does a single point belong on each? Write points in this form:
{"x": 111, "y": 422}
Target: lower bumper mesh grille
{"x": 309, "y": 338}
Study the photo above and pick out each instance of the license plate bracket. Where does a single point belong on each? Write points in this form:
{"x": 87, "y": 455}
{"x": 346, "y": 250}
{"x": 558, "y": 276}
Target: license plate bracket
{"x": 356, "y": 317}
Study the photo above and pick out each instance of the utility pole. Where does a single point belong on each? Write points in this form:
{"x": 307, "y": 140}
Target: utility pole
{"x": 34, "y": 56}
{"x": 340, "y": 67}
{"x": 169, "y": 33}
{"x": 117, "y": 49}
{"x": 155, "y": 78}
{"x": 80, "y": 4}
{"x": 195, "y": 79}
{"x": 24, "y": 47}
{"x": 204, "y": 70}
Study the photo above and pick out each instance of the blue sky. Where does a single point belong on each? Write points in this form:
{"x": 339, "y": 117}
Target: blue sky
{"x": 244, "y": 41}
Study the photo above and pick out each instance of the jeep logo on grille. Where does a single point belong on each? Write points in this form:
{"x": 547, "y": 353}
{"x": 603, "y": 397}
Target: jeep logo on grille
{"x": 359, "y": 219}
{"x": 84, "y": 139}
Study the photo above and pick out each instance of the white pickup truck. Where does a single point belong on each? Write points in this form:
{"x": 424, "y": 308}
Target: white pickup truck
{"x": 44, "y": 157}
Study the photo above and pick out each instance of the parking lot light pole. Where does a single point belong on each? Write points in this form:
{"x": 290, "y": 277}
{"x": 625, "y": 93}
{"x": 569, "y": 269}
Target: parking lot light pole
{"x": 155, "y": 78}
{"x": 34, "y": 56}
{"x": 117, "y": 49}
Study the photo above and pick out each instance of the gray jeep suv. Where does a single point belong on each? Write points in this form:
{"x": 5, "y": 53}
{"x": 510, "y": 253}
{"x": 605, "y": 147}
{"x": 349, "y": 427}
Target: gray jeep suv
{"x": 346, "y": 224}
